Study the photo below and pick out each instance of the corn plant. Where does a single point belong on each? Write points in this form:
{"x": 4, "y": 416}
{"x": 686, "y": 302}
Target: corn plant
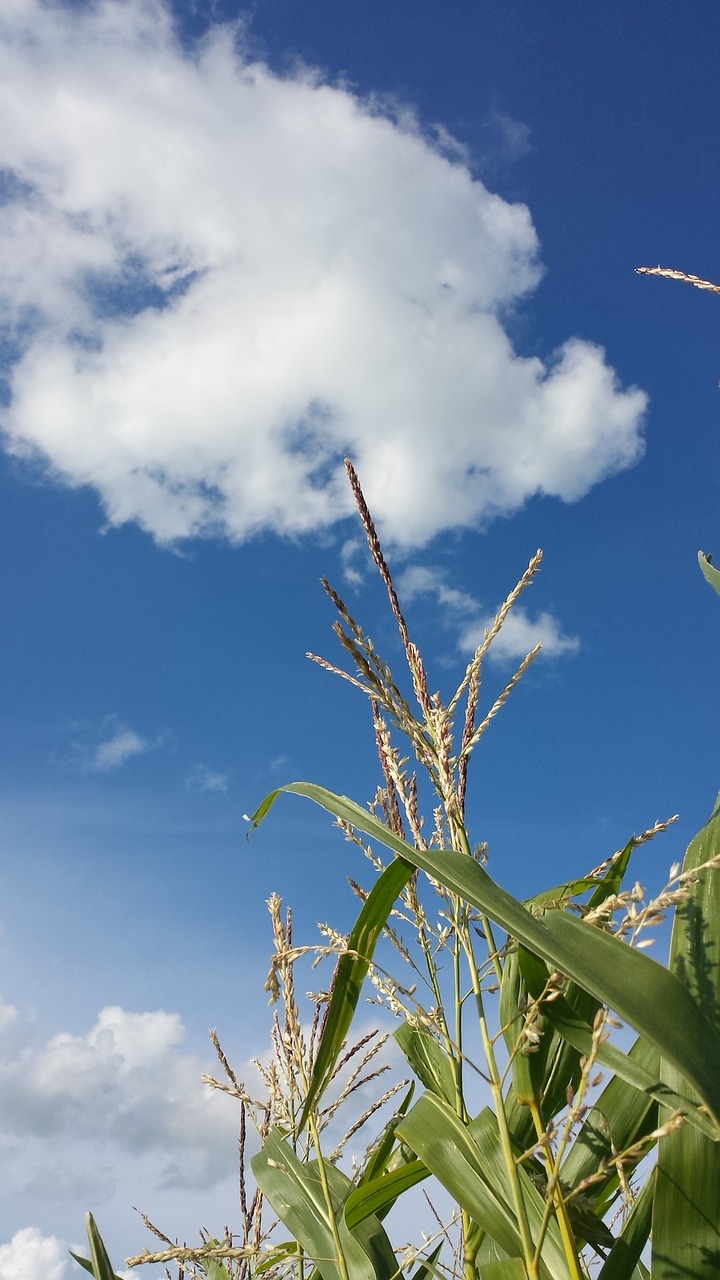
{"x": 565, "y": 1152}
{"x": 551, "y": 1176}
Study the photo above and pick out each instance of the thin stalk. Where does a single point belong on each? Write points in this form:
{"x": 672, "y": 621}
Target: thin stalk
{"x": 458, "y": 1060}
{"x": 531, "y": 1263}
{"x": 555, "y": 1200}
{"x": 493, "y": 952}
{"x": 340, "y": 1256}
{"x": 531, "y": 1259}
{"x": 469, "y": 1253}
{"x": 432, "y": 975}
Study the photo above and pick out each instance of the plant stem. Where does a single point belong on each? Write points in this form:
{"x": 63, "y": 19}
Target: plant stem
{"x": 556, "y": 1200}
{"x": 340, "y": 1256}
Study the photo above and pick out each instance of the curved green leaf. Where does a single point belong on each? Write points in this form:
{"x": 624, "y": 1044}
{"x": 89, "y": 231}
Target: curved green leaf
{"x": 427, "y": 1267}
{"x": 468, "y": 1161}
{"x": 377, "y": 1196}
{"x": 686, "y": 1215}
{"x": 384, "y": 1151}
{"x": 350, "y": 975}
{"x": 505, "y": 1269}
{"x": 619, "y": 1117}
{"x": 710, "y": 573}
{"x": 640, "y": 1068}
{"x": 98, "y": 1264}
{"x": 297, "y": 1196}
{"x": 431, "y": 1066}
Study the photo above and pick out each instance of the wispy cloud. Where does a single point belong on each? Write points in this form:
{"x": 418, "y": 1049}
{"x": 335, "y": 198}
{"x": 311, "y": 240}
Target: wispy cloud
{"x": 115, "y": 744}
{"x": 520, "y": 633}
{"x": 469, "y": 619}
{"x": 114, "y": 751}
{"x": 220, "y": 280}
{"x": 204, "y": 779}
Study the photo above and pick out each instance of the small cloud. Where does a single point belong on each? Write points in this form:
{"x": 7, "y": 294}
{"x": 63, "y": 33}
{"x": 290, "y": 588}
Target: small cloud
{"x": 204, "y": 779}
{"x": 118, "y": 743}
{"x": 124, "y": 744}
{"x": 423, "y": 580}
{"x": 350, "y": 551}
{"x": 519, "y": 634}
{"x": 513, "y": 136}
{"x": 8, "y": 1015}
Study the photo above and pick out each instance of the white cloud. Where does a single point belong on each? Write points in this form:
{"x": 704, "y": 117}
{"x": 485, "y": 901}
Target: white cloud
{"x": 8, "y": 1015}
{"x": 519, "y": 634}
{"x": 422, "y": 580}
{"x": 204, "y": 779}
{"x": 461, "y": 611}
{"x": 118, "y": 743}
{"x": 124, "y": 744}
{"x": 32, "y": 1256}
{"x": 125, "y": 1086}
{"x": 222, "y": 280}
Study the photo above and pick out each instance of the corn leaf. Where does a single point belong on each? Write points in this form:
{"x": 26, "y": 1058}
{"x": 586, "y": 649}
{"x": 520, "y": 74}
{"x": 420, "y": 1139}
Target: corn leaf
{"x": 686, "y": 1215}
{"x": 427, "y": 1268}
{"x": 468, "y": 1161}
{"x": 621, "y": 1116}
{"x": 640, "y": 1069}
{"x": 384, "y": 1153}
{"x": 351, "y": 973}
{"x": 710, "y": 573}
{"x": 215, "y": 1270}
{"x": 368, "y": 1230}
{"x": 297, "y": 1196}
{"x": 378, "y": 1196}
{"x": 431, "y": 1065}
{"x": 98, "y": 1264}
{"x": 506, "y": 1269}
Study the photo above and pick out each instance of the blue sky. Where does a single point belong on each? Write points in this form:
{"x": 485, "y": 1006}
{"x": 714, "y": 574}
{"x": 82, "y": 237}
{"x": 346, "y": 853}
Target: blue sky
{"x": 235, "y": 244}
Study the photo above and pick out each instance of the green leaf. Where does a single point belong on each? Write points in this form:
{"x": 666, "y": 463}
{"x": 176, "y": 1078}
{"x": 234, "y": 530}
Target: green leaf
{"x": 622, "y": 1260}
{"x": 619, "y": 1117}
{"x": 561, "y": 893}
{"x": 528, "y": 1069}
{"x": 686, "y": 1215}
{"x": 640, "y": 1069}
{"x": 612, "y": 880}
{"x": 468, "y": 1161}
{"x": 297, "y": 1196}
{"x": 506, "y": 1269}
{"x": 427, "y": 1268}
{"x": 368, "y": 1230}
{"x": 711, "y": 574}
{"x": 638, "y": 989}
{"x": 545, "y": 1074}
{"x": 431, "y": 1065}
{"x": 84, "y": 1262}
{"x": 215, "y": 1270}
{"x": 99, "y": 1264}
{"x": 381, "y": 1193}
{"x": 385, "y": 1150}
{"x": 278, "y": 1253}
{"x": 350, "y": 975}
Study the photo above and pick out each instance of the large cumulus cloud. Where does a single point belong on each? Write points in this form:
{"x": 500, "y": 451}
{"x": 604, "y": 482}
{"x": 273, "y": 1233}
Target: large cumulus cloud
{"x": 217, "y": 280}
